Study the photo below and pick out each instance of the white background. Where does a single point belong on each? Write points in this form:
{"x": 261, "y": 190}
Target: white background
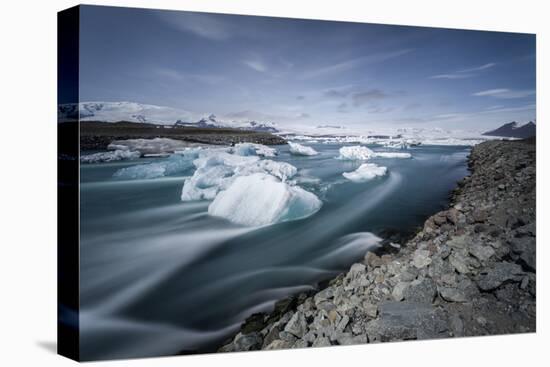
{"x": 28, "y": 181}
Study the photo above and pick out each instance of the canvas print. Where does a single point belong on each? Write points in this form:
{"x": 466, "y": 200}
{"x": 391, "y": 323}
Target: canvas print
{"x": 232, "y": 183}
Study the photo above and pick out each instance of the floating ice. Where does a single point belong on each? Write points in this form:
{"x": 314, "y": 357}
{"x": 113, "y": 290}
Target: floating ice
{"x": 149, "y": 146}
{"x": 174, "y": 164}
{"x": 115, "y": 155}
{"x": 365, "y": 172}
{"x": 260, "y": 199}
{"x": 356, "y": 152}
{"x": 216, "y": 170}
{"x": 392, "y": 155}
{"x": 248, "y": 149}
{"x": 300, "y": 149}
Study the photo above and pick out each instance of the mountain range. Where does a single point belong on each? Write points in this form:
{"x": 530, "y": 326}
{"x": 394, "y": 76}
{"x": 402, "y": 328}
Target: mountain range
{"x": 152, "y": 114}
{"x": 514, "y": 130}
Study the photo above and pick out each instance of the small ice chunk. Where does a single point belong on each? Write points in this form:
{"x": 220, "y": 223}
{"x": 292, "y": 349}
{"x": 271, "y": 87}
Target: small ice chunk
{"x": 115, "y": 155}
{"x": 299, "y": 149}
{"x": 392, "y": 155}
{"x": 356, "y": 152}
{"x": 261, "y": 199}
{"x": 365, "y": 172}
{"x": 248, "y": 149}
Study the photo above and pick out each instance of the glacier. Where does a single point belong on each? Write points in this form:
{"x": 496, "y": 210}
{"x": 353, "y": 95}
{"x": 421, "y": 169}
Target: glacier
{"x": 150, "y": 146}
{"x": 299, "y": 149}
{"x": 365, "y": 172}
{"x": 260, "y": 199}
{"x": 111, "y": 156}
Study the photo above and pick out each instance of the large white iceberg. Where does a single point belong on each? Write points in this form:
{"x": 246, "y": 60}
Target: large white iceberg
{"x": 216, "y": 170}
{"x": 248, "y": 149}
{"x": 365, "y": 172}
{"x": 355, "y": 152}
{"x": 299, "y": 149}
{"x": 111, "y": 156}
{"x": 261, "y": 199}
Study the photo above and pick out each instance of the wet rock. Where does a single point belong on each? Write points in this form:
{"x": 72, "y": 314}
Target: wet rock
{"x": 252, "y": 341}
{"x": 482, "y": 253}
{"x": 278, "y": 344}
{"x": 321, "y": 342}
{"x": 255, "y": 322}
{"x": 463, "y": 290}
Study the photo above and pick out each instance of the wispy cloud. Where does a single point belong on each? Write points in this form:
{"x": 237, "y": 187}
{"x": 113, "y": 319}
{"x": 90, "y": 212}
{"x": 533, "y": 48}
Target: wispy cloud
{"x": 257, "y": 65}
{"x": 464, "y": 73}
{"x": 504, "y": 93}
{"x": 353, "y": 63}
{"x": 203, "y": 25}
{"x": 176, "y": 75}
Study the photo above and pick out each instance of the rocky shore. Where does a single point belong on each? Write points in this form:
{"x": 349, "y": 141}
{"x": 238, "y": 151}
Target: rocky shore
{"x": 470, "y": 271}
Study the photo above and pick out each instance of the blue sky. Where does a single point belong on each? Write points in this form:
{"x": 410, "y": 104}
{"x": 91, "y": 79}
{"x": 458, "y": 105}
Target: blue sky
{"x": 307, "y": 72}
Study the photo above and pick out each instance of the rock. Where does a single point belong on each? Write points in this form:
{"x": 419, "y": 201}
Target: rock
{"x": 501, "y": 272}
{"x": 459, "y": 262}
{"x": 252, "y": 341}
{"x": 297, "y": 325}
{"x": 479, "y": 215}
{"x": 300, "y": 343}
{"x": 456, "y": 325}
{"x": 482, "y": 253}
{"x": 399, "y": 290}
{"x": 459, "y": 242}
{"x": 440, "y": 218}
{"x": 525, "y": 247}
{"x": 349, "y": 339}
{"x": 372, "y": 260}
{"x": 407, "y": 320}
{"x": 253, "y": 323}
{"x": 421, "y": 291}
{"x": 452, "y": 215}
{"x": 321, "y": 342}
{"x": 370, "y": 309}
{"x": 421, "y": 258}
{"x": 462, "y": 291}
{"x": 278, "y": 344}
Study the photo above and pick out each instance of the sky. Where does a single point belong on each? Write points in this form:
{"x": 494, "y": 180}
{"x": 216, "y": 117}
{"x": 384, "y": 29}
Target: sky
{"x": 297, "y": 72}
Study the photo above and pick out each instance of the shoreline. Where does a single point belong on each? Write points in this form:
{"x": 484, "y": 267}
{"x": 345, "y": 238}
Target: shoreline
{"x": 469, "y": 271}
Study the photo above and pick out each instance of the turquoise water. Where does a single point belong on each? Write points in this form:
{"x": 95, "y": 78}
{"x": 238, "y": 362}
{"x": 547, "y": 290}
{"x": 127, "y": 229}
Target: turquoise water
{"x": 160, "y": 276}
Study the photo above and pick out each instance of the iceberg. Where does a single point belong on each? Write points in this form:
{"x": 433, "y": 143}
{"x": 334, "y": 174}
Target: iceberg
{"x": 299, "y": 149}
{"x": 248, "y": 149}
{"x": 365, "y": 172}
{"x": 115, "y": 155}
{"x": 216, "y": 170}
{"x": 261, "y": 199}
{"x": 174, "y": 164}
{"x": 356, "y": 152}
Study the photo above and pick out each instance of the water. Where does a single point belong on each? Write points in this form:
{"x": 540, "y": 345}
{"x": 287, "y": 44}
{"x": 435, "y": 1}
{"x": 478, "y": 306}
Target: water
{"x": 160, "y": 276}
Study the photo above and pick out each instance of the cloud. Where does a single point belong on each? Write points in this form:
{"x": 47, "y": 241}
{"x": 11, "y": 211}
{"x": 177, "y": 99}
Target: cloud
{"x": 177, "y": 75}
{"x": 257, "y": 65}
{"x": 343, "y": 107}
{"x": 202, "y": 25}
{"x": 362, "y": 98}
{"x": 300, "y": 98}
{"x": 353, "y": 63}
{"x": 303, "y": 115}
{"x": 504, "y": 93}
{"x": 335, "y": 93}
{"x": 464, "y": 73}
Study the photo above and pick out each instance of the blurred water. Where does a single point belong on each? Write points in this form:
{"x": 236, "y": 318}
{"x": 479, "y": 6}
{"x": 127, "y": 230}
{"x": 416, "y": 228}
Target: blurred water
{"x": 160, "y": 276}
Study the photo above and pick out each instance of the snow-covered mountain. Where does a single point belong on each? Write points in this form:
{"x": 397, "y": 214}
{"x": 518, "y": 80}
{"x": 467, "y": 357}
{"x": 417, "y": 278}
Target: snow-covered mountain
{"x": 213, "y": 121}
{"x": 145, "y": 113}
{"x": 514, "y": 130}
{"x": 123, "y": 111}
